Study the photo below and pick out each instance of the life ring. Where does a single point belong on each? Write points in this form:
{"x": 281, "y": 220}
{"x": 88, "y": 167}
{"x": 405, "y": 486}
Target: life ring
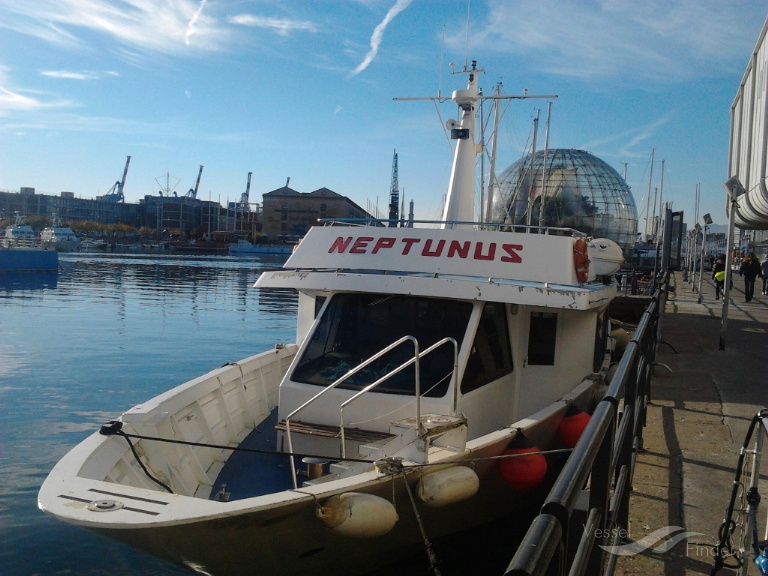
{"x": 581, "y": 260}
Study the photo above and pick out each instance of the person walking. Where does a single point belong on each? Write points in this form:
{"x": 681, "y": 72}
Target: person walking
{"x": 764, "y": 270}
{"x": 718, "y": 275}
{"x": 750, "y": 269}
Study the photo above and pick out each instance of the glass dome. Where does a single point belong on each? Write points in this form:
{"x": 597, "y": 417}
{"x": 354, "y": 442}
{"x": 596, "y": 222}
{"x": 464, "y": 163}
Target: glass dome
{"x": 578, "y": 190}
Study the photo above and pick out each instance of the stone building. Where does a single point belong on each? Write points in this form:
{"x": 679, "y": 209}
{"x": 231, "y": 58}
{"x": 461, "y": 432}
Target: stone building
{"x": 286, "y": 212}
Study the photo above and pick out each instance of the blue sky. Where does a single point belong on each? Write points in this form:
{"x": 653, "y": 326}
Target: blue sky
{"x": 304, "y": 89}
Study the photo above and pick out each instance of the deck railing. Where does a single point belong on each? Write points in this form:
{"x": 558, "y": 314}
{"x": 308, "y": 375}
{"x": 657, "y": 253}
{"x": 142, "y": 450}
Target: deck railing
{"x": 605, "y": 455}
{"x": 497, "y": 226}
{"x": 415, "y": 359}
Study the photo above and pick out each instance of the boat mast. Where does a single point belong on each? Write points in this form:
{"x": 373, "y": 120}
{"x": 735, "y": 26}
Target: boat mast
{"x": 532, "y": 189}
{"x": 460, "y": 200}
{"x": 492, "y": 182}
{"x": 459, "y": 210}
{"x": 544, "y": 171}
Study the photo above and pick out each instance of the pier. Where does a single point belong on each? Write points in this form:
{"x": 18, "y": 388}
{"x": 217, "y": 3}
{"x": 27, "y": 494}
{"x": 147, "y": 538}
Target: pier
{"x": 662, "y": 448}
{"x": 697, "y": 420}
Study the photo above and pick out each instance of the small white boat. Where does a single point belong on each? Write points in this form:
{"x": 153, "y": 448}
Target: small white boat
{"x": 62, "y": 238}
{"x": 423, "y": 358}
{"x": 19, "y": 234}
{"x": 246, "y": 248}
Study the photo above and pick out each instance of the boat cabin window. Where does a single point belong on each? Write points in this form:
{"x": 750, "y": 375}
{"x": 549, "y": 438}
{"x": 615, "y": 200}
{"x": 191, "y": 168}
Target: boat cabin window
{"x": 491, "y": 356}
{"x": 319, "y": 301}
{"x": 355, "y": 327}
{"x": 542, "y": 336}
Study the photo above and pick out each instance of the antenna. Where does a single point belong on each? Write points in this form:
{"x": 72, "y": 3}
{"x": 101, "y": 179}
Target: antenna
{"x": 466, "y": 55}
{"x": 440, "y": 70}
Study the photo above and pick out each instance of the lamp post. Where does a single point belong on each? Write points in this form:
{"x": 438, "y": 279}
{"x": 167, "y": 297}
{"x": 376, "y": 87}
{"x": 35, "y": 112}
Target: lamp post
{"x": 696, "y": 232}
{"x": 735, "y": 189}
{"x": 707, "y": 222}
{"x": 692, "y": 236}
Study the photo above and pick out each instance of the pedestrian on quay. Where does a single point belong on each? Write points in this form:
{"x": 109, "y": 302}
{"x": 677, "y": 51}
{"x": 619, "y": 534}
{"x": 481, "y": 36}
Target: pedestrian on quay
{"x": 750, "y": 269}
{"x": 718, "y": 275}
{"x": 764, "y": 270}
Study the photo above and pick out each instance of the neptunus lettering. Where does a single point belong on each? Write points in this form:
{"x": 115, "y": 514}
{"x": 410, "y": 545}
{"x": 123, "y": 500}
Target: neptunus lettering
{"x": 428, "y": 248}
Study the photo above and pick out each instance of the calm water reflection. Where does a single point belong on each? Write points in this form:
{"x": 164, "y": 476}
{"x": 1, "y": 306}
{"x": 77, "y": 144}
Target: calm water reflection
{"x": 79, "y": 347}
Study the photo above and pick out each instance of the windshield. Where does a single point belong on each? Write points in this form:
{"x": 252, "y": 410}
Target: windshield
{"x": 356, "y": 326}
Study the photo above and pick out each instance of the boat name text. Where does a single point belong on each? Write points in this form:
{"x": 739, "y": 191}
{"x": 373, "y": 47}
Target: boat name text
{"x": 430, "y": 248}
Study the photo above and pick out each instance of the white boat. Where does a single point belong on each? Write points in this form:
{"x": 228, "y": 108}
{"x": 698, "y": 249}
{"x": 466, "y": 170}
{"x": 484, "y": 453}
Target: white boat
{"x": 246, "y": 248}
{"x": 62, "y": 238}
{"x": 423, "y": 358}
{"x": 19, "y": 234}
{"x": 21, "y": 250}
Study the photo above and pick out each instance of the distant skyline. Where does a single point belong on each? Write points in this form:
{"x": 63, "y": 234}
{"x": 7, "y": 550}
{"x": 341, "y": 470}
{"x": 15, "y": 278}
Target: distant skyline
{"x": 304, "y": 89}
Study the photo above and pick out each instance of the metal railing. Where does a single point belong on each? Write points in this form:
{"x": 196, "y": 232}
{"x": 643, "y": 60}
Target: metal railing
{"x": 605, "y": 455}
{"x": 498, "y": 226}
{"x": 417, "y": 356}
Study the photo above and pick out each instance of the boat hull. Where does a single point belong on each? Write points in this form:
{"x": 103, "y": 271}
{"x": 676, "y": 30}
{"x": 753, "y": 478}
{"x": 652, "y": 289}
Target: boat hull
{"x": 279, "y": 533}
{"x": 28, "y": 260}
{"x": 291, "y": 540}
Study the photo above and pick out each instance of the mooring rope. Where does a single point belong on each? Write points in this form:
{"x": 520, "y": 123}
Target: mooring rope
{"x": 115, "y": 428}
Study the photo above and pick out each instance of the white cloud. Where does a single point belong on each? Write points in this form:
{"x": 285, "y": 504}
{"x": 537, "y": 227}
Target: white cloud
{"x": 70, "y": 75}
{"x": 277, "y": 25}
{"x": 10, "y": 100}
{"x": 378, "y": 34}
{"x": 649, "y": 40}
{"x": 193, "y": 21}
{"x": 145, "y": 25}
{"x": 630, "y": 139}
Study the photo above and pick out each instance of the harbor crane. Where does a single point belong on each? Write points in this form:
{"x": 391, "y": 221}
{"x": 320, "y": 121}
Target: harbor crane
{"x": 115, "y": 194}
{"x": 394, "y": 195}
{"x": 192, "y": 193}
{"x": 244, "y": 205}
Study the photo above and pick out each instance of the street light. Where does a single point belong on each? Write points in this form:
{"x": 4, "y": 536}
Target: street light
{"x": 707, "y": 221}
{"x": 696, "y": 232}
{"x": 734, "y": 188}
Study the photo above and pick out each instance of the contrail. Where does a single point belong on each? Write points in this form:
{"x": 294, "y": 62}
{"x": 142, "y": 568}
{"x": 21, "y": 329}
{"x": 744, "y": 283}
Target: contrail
{"x": 193, "y": 20}
{"x": 378, "y": 33}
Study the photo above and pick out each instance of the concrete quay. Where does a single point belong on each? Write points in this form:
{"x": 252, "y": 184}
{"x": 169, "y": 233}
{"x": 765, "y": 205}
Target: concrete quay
{"x": 697, "y": 421}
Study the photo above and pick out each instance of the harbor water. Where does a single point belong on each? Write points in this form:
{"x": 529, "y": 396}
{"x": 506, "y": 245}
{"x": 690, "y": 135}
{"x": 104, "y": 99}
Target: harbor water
{"x": 107, "y": 332}
{"x": 79, "y": 347}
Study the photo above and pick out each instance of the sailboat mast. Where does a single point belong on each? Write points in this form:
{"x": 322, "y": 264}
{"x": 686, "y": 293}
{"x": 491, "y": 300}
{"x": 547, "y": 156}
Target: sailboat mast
{"x": 492, "y": 182}
{"x": 532, "y": 188}
{"x": 648, "y": 200}
{"x": 544, "y": 171}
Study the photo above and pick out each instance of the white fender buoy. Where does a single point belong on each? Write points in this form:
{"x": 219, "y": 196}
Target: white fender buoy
{"x": 447, "y": 486}
{"x": 358, "y": 515}
{"x": 605, "y": 255}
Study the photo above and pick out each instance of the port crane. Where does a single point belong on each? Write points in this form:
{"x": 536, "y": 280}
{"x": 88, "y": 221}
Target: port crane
{"x": 244, "y": 205}
{"x": 192, "y": 193}
{"x": 394, "y": 195}
{"x": 115, "y": 194}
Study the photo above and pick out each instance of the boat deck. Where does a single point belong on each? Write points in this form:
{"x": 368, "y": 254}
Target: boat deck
{"x": 249, "y": 474}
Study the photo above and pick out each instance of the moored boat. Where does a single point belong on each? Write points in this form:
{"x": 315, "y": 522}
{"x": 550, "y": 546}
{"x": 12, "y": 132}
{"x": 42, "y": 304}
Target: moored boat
{"x": 431, "y": 368}
{"x": 246, "y": 248}
{"x": 60, "y": 237}
{"x": 22, "y": 251}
